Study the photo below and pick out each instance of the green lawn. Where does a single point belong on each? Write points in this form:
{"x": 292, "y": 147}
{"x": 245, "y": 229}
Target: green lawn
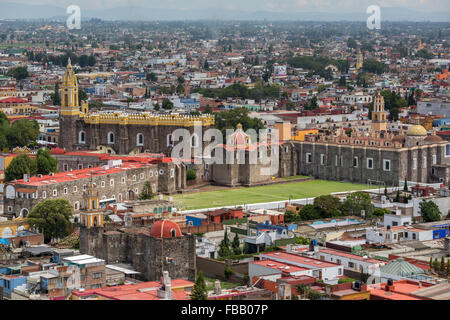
{"x": 276, "y": 192}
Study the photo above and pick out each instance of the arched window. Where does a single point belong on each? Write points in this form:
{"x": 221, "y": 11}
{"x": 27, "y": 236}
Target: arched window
{"x": 110, "y": 138}
{"x": 140, "y": 139}
{"x": 95, "y": 221}
{"x": 173, "y": 233}
{"x": 93, "y": 204}
{"x": 194, "y": 141}
{"x": 82, "y": 137}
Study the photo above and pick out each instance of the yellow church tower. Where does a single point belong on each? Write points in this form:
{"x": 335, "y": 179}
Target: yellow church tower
{"x": 378, "y": 114}
{"x": 69, "y": 92}
{"x": 91, "y": 215}
{"x": 70, "y": 110}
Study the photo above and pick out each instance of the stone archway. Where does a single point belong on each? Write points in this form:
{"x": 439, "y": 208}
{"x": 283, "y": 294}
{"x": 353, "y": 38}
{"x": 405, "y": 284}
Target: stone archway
{"x": 24, "y": 212}
{"x": 131, "y": 195}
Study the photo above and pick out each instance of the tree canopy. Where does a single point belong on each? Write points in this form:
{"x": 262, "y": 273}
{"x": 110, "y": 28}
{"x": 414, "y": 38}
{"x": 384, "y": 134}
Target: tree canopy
{"x": 230, "y": 119}
{"x": 52, "y": 218}
{"x": 146, "y": 193}
{"x": 374, "y": 66}
{"x": 199, "y": 291}
{"x": 21, "y": 133}
{"x": 19, "y": 73}
{"x": 356, "y": 202}
{"x": 45, "y": 162}
{"x": 19, "y": 166}
{"x": 429, "y": 211}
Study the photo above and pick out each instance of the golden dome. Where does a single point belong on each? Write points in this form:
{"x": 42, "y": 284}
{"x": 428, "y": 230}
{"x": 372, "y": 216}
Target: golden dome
{"x": 417, "y": 130}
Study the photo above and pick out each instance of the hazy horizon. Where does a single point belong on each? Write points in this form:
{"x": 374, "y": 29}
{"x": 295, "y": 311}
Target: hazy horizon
{"x": 328, "y": 10}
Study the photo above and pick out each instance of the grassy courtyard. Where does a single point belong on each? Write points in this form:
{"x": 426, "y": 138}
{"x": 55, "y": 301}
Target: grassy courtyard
{"x": 276, "y": 192}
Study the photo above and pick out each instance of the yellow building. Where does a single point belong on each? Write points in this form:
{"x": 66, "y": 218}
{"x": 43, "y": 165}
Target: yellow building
{"x": 379, "y": 115}
{"x": 300, "y": 135}
{"x": 9, "y": 228}
{"x": 91, "y": 215}
{"x": 15, "y": 106}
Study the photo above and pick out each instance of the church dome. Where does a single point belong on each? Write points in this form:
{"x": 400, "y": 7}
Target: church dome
{"x": 239, "y": 138}
{"x": 417, "y": 131}
{"x": 433, "y": 138}
{"x": 165, "y": 229}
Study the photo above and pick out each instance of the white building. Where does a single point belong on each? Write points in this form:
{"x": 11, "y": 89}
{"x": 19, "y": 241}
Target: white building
{"x": 326, "y": 271}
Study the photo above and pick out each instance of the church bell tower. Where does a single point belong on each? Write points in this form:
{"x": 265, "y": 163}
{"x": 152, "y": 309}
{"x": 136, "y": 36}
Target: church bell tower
{"x": 91, "y": 215}
{"x": 379, "y": 115}
{"x": 70, "y": 110}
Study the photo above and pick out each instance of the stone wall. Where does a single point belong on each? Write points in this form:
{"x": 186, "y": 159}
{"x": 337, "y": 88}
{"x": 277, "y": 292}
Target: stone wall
{"x": 147, "y": 254}
{"x": 125, "y": 185}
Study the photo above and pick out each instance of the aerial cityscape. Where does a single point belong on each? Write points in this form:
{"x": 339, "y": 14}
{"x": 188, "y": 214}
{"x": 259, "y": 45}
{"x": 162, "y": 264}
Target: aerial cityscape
{"x": 181, "y": 153}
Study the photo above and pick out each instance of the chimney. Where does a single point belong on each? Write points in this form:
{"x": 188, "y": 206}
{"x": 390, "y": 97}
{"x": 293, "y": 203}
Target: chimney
{"x": 165, "y": 291}
{"x": 25, "y": 178}
{"x": 115, "y": 209}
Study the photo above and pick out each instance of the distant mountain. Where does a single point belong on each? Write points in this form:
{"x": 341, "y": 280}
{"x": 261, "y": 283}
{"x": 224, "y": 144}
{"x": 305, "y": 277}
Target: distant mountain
{"x": 11, "y": 10}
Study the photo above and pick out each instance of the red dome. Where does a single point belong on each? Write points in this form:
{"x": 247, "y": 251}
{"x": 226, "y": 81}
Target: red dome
{"x": 165, "y": 229}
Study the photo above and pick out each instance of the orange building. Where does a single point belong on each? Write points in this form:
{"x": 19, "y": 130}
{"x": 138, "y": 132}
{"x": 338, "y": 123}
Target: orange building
{"x": 442, "y": 76}
{"x": 300, "y": 135}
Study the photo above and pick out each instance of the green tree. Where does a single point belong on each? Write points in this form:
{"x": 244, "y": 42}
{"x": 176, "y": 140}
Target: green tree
{"x": 431, "y": 262}
{"x": 45, "y": 162}
{"x": 56, "y": 98}
{"x": 429, "y": 211}
{"x": 156, "y": 107}
{"x": 52, "y": 218}
{"x": 199, "y": 291}
{"x": 146, "y": 193}
{"x": 230, "y": 119}
{"x": 351, "y": 43}
{"x": 19, "y": 73}
{"x": 167, "y": 104}
{"x": 191, "y": 175}
{"x": 309, "y": 212}
{"x": 228, "y": 272}
{"x": 22, "y": 133}
{"x": 313, "y": 104}
{"x": 82, "y": 96}
{"x": 236, "y": 245}
{"x": 442, "y": 268}
{"x": 19, "y": 166}
{"x": 436, "y": 265}
{"x": 356, "y": 202}
{"x": 374, "y": 66}
{"x": 151, "y": 77}
{"x": 328, "y": 206}
{"x": 224, "y": 251}
{"x": 290, "y": 216}
{"x": 301, "y": 240}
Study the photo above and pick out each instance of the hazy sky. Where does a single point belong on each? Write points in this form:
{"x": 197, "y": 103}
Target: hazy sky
{"x": 252, "y": 5}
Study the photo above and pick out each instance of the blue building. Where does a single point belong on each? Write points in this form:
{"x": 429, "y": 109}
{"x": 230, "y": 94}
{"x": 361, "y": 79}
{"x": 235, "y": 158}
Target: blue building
{"x": 441, "y": 231}
{"x": 195, "y": 220}
{"x": 441, "y": 122}
{"x": 9, "y": 282}
{"x": 190, "y": 103}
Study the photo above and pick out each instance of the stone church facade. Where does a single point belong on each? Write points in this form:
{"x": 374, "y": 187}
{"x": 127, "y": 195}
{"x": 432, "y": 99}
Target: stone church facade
{"x": 120, "y": 132}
